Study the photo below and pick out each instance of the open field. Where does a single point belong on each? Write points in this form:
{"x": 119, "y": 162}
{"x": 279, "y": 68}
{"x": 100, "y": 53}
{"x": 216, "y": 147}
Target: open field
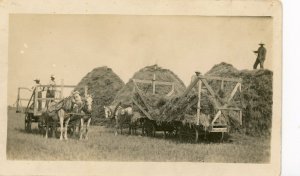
{"x": 104, "y": 146}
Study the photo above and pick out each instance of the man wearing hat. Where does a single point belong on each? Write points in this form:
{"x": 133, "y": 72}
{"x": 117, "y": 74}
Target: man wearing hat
{"x": 261, "y": 56}
{"x": 197, "y": 73}
{"x": 39, "y": 90}
{"x": 51, "y": 89}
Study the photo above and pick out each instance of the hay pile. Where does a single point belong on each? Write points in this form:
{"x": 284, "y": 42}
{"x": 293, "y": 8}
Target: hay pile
{"x": 156, "y": 101}
{"x": 257, "y": 95}
{"x": 103, "y": 84}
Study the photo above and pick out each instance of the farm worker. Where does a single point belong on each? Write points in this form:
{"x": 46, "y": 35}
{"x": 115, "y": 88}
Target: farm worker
{"x": 195, "y": 76}
{"x": 51, "y": 89}
{"x": 261, "y": 56}
{"x": 37, "y": 87}
{"x": 197, "y": 73}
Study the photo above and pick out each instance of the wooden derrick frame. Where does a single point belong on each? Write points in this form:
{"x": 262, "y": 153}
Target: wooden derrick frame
{"x": 137, "y": 90}
{"x": 203, "y": 83}
{"x": 149, "y": 125}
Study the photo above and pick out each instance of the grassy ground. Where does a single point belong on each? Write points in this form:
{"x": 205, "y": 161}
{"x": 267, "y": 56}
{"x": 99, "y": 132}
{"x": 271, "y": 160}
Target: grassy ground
{"x": 104, "y": 146}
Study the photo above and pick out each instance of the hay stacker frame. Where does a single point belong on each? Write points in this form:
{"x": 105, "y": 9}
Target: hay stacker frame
{"x": 201, "y": 84}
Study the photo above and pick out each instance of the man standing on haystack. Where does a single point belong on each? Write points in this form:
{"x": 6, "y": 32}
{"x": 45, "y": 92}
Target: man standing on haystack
{"x": 261, "y": 56}
{"x": 51, "y": 90}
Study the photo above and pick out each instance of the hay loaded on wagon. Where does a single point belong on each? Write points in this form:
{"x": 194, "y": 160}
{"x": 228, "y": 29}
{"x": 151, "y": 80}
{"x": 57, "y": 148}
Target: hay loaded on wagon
{"x": 208, "y": 105}
{"x": 35, "y": 112}
{"x": 148, "y": 90}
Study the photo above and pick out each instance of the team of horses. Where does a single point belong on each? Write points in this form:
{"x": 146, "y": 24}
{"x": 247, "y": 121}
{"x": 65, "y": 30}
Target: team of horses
{"x": 70, "y": 108}
{"x": 123, "y": 116}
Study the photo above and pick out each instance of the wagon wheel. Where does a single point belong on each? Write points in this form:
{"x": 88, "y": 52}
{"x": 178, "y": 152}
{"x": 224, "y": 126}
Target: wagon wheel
{"x": 149, "y": 128}
{"x": 188, "y": 133}
{"x": 41, "y": 126}
{"x": 28, "y": 122}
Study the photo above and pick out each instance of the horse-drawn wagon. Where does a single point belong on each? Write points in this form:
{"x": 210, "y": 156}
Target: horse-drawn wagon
{"x": 208, "y": 105}
{"x": 38, "y": 105}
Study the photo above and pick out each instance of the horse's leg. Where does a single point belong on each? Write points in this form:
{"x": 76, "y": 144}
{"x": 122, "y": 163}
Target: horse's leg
{"x": 87, "y": 128}
{"x": 116, "y": 130}
{"x": 47, "y": 126}
{"x": 116, "y": 127}
{"x": 61, "y": 122}
{"x": 81, "y": 128}
{"x": 66, "y": 128}
{"x": 135, "y": 127}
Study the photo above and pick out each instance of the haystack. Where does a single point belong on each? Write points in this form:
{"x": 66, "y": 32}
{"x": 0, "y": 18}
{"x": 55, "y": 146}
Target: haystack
{"x": 103, "y": 84}
{"x": 126, "y": 94}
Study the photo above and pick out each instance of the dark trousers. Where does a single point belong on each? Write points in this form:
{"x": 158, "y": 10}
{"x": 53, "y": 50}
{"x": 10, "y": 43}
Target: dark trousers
{"x": 49, "y": 94}
{"x": 39, "y": 101}
{"x": 260, "y": 62}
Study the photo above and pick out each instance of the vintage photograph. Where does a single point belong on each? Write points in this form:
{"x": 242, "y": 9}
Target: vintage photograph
{"x": 150, "y": 88}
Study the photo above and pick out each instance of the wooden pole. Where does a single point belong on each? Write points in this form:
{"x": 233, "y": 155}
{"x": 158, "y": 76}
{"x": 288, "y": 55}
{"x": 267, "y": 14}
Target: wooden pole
{"x": 35, "y": 106}
{"x": 153, "y": 84}
{"x": 85, "y": 91}
{"x": 18, "y": 99}
{"x": 61, "y": 89}
{"x": 199, "y": 101}
{"x": 241, "y": 114}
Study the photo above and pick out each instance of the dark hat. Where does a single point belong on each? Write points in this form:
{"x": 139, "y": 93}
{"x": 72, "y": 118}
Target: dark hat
{"x": 197, "y": 72}
{"x": 37, "y": 80}
{"x": 261, "y": 43}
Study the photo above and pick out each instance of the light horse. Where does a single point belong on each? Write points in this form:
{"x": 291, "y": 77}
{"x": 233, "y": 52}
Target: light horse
{"x": 122, "y": 116}
{"x": 59, "y": 111}
{"x": 85, "y": 108}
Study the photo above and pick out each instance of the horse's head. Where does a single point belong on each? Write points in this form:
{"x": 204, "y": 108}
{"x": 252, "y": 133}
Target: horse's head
{"x": 88, "y": 103}
{"x": 108, "y": 112}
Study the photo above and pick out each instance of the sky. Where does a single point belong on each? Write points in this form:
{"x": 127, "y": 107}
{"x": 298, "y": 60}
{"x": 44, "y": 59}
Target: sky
{"x": 70, "y": 46}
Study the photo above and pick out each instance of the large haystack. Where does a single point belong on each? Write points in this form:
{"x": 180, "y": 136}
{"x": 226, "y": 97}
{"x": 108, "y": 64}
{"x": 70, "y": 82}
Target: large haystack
{"x": 155, "y": 101}
{"x": 103, "y": 84}
{"x": 257, "y": 93}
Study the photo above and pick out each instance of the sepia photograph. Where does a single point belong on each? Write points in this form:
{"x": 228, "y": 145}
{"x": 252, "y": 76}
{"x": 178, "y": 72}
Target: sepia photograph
{"x": 142, "y": 88}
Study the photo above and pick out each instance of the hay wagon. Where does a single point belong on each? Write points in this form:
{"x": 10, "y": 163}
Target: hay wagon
{"x": 145, "y": 93}
{"x": 36, "y": 103}
{"x": 215, "y": 103}
{"x": 200, "y": 113}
